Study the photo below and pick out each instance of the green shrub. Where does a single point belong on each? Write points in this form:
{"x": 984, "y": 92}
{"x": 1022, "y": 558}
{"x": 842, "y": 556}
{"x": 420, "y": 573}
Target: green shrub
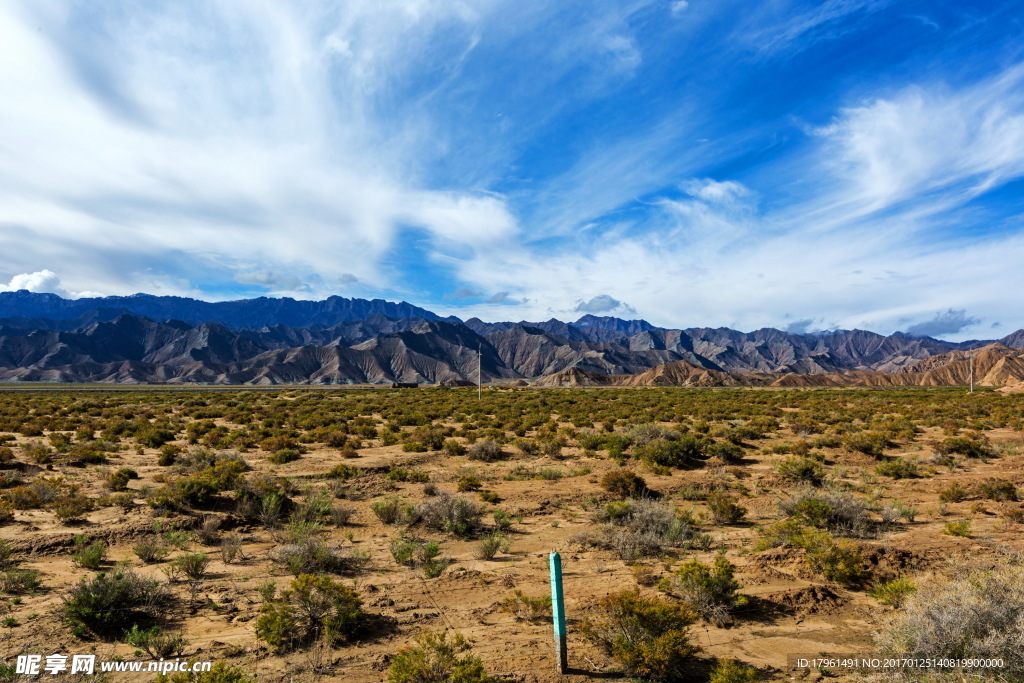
{"x": 117, "y": 481}
{"x": 732, "y": 671}
{"x": 392, "y": 511}
{"x": 312, "y": 607}
{"x": 168, "y": 455}
{"x": 624, "y": 484}
{"x": 284, "y": 455}
{"x": 150, "y": 549}
{"x": 70, "y": 507}
{"x": 998, "y": 489}
{"x": 16, "y": 581}
{"x": 893, "y": 593}
{"x": 898, "y": 468}
{"x": 869, "y": 443}
{"x": 435, "y": 658}
{"x": 220, "y": 672}
{"x": 192, "y": 565}
{"x": 406, "y": 474}
{"x": 88, "y": 555}
{"x": 686, "y": 452}
{"x": 838, "y": 561}
{"x": 454, "y": 448}
{"x": 491, "y": 544}
{"x": 344, "y": 472}
{"x": 802, "y": 470}
{"x": 836, "y": 511}
{"x": 648, "y": 637}
{"x": 527, "y": 608}
{"x": 976, "y": 446}
{"x": 6, "y": 512}
{"x": 414, "y": 552}
{"x": 960, "y": 528}
{"x": 157, "y": 643}
{"x": 725, "y": 509}
{"x": 726, "y": 451}
{"x": 710, "y": 589}
{"x": 954, "y": 493}
{"x": 112, "y": 602}
{"x": 468, "y": 482}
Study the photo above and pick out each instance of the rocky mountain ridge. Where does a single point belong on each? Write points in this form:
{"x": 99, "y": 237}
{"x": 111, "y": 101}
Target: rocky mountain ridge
{"x": 424, "y": 347}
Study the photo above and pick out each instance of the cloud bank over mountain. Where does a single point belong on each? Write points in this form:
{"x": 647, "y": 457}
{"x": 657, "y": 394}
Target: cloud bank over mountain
{"x": 848, "y": 163}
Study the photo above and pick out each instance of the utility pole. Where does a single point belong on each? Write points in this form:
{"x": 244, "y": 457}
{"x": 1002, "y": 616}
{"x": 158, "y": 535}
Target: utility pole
{"x": 479, "y": 377}
{"x": 972, "y": 372}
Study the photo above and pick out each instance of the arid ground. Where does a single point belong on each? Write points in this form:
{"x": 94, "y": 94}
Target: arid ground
{"x": 830, "y": 506}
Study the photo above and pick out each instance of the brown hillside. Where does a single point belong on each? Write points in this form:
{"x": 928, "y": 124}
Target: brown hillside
{"x": 573, "y": 377}
{"x": 683, "y": 374}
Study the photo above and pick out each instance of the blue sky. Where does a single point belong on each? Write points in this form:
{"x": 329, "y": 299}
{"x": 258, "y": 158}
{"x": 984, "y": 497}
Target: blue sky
{"x": 800, "y": 165}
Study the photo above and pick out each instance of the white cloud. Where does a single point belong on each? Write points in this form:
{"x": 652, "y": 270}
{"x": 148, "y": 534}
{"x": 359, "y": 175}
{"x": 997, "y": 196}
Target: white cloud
{"x": 677, "y": 7}
{"x": 39, "y": 281}
{"x": 714, "y": 191}
{"x": 235, "y": 150}
{"x": 43, "y": 281}
{"x": 922, "y": 140}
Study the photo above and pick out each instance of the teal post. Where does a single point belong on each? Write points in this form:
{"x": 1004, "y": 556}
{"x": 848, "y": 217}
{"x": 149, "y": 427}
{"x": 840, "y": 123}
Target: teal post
{"x": 558, "y": 612}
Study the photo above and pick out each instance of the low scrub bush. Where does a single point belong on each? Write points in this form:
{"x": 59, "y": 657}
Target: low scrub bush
{"x": 114, "y": 601}
{"x": 193, "y": 565}
{"x": 648, "y": 637}
{"x": 284, "y": 455}
{"x": 156, "y": 642}
{"x": 625, "y": 484}
{"x": 415, "y": 552}
{"x": 436, "y": 658}
{"x": 710, "y": 589}
{"x": 313, "y": 556}
{"x": 801, "y": 470}
{"x": 88, "y": 555}
{"x": 954, "y": 493}
{"x": 725, "y": 509}
{"x": 899, "y": 468}
{"x": 836, "y": 560}
{"x": 453, "y": 514}
{"x": 685, "y": 452}
{"x": 871, "y": 443}
{"x": 837, "y": 511}
{"x": 16, "y": 581}
{"x": 220, "y": 672}
{"x": 960, "y": 528}
{"x": 970, "y": 616}
{"x": 998, "y": 489}
{"x": 527, "y": 608}
{"x": 393, "y": 511}
{"x": 71, "y": 507}
{"x": 311, "y": 608}
{"x": 486, "y": 451}
{"x": 491, "y": 544}
{"x": 732, "y": 671}
{"x": 151, "y": 549}
{"x": 640, "y": 528}
{"x": 972, "y": 446}
{"x": 893, "y": 593}
{"x": 728, "y": 451}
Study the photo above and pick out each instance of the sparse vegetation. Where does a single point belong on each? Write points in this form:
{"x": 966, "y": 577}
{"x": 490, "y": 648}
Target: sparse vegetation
{"x": 649, "y": 638}
{"x": 841, "y": 471}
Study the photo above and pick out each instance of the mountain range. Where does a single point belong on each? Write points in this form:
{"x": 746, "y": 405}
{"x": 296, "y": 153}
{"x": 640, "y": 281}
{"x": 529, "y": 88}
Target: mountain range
{"x": 144, "y": 338}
